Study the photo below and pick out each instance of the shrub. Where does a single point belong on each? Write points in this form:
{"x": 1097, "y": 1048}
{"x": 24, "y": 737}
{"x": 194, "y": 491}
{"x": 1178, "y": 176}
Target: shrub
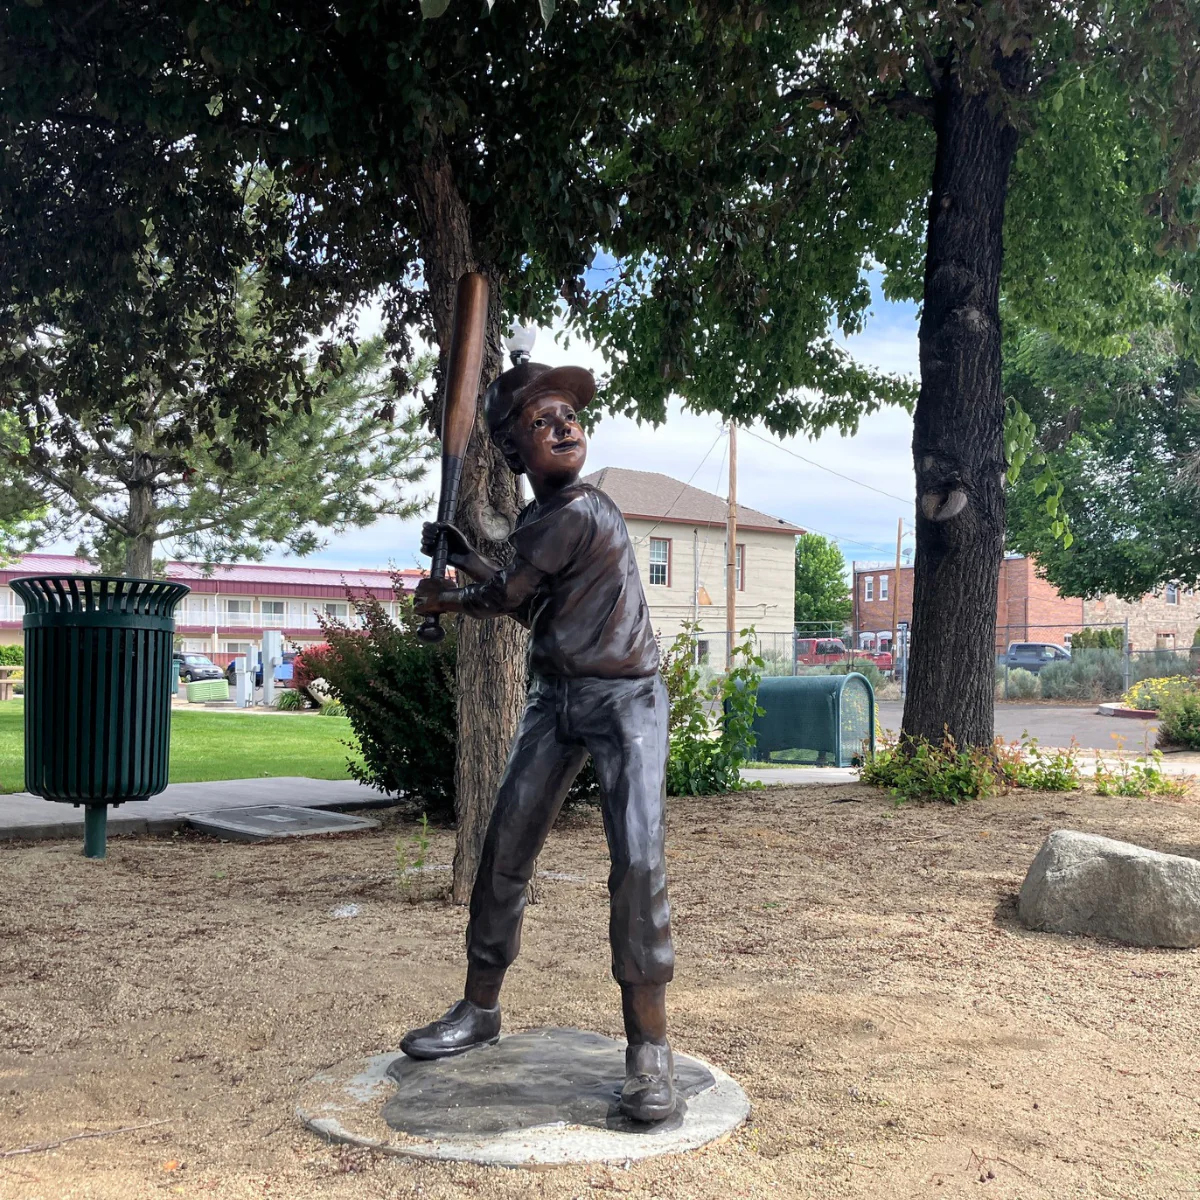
{"x": 1021, "y": 685}
{"x": 332, "y": 708}
{"x": 1026, "y": 764}
{"x": 289, "y": 700}
{"x": 1155, "y": 693}
{"x": 1179, "y": 721}
{"x": 859, "y": 666}
{"x": 1089, "y": 675}
{"x": 923, "y": 770}
{"x": 1098, "y": 639}
{"x": 399, "y": 694}
{"x": 12, "y": 655}
{"x": 1159, "y": 664}
{"x": 1144, "y": 777}
{"x": 703, "y": 760}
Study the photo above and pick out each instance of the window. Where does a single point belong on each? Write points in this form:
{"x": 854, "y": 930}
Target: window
{"x": 883, "y": 587}
{"x": 335, "y": 609}
{"x": 239, "y": 606}
{"x": 1172, "y": 593}
{"x": 660, "y": 562}
{"x": 241, "y": 649}
{"x": 739, "y": 559}
{"x": 869, "y": 588}
{"x": 273, "y": 612}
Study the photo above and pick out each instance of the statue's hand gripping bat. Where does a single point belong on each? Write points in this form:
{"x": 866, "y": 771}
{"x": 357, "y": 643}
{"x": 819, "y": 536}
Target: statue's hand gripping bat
{"x": 463, "y": 370}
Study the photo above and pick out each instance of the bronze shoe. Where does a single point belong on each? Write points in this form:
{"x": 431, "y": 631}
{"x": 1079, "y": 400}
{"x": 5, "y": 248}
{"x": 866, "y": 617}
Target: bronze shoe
{"x": 649, "y": 1091}
{"x": 464, "y": 1026}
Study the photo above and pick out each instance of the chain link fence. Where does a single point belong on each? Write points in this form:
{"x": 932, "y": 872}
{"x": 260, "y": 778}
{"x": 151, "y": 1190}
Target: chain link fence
{"x": 1067, "y": 662}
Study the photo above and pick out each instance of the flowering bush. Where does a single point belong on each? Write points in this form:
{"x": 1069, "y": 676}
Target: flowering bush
{"x": 1154, "y": 693}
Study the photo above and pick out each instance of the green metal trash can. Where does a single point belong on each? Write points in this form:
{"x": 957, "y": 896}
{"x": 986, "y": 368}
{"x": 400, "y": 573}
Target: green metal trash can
{"x": 824, "y": 719}
{"x": 98, "y": 667}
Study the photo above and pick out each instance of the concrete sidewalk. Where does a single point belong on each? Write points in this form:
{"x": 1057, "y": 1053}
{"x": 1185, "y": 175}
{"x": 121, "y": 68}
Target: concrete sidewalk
{"x": 26, "y": 817}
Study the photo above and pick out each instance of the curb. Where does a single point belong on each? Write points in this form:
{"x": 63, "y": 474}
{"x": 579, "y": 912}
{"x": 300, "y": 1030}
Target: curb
{"x": 1136, "y": 714}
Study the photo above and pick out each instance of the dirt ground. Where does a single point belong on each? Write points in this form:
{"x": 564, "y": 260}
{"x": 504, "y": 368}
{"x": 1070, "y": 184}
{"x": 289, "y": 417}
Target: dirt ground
{"x": 859, "y": 969}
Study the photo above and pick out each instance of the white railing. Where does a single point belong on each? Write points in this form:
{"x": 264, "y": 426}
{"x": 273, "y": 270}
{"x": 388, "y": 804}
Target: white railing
{"x": 202, "y": 619}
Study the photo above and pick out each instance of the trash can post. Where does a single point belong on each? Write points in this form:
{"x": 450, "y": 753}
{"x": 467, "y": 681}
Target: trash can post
{"x": 95, "y": 831}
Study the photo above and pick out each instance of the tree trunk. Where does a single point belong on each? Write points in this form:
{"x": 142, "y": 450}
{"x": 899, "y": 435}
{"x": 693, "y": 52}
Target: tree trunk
{"x": 491, "y": 654}
{"x": 958, "y": 444}
{"x": 139, "y": 550}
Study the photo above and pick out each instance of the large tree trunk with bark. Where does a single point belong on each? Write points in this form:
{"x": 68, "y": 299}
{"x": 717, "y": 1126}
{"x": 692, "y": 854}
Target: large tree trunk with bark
{"x": 491, "y": 654}
{"x": 958, "y": 443}
{"x": 139, "y": 550}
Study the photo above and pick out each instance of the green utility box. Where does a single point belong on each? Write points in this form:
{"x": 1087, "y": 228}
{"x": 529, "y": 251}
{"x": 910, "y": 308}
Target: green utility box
{"x": 827, "y": 720}
{"x": 207, "y": 689}
{"x": 98, "y": 667}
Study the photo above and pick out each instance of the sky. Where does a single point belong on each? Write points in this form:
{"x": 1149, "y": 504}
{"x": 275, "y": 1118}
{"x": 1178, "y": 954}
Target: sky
{"x": 692, "y": 447}
{"x": 770, "y": 479}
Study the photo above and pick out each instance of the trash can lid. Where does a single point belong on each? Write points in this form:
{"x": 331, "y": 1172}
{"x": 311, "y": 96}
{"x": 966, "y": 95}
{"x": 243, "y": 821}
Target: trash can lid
{"x": 114, "y": 595}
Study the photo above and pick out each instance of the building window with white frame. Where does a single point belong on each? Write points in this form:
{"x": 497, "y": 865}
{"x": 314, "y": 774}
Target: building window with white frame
{"x": 660, "y": 562}
{"x": 239, "y": 612}
{"x": 274, "y": 612}
{"x": 869, "y": 588}
{"x": 337, "y": 610}
{"x": 1172, "y": 593}
{"x": 883, "y": 587}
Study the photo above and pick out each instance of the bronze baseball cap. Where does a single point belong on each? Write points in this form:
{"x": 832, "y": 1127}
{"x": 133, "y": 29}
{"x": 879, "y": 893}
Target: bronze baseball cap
{"x": 517, "y": 387}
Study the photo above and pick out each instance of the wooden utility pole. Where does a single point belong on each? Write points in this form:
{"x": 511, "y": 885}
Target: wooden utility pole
{"x": 731, "y": 548}
{"x": 896, "y": 595}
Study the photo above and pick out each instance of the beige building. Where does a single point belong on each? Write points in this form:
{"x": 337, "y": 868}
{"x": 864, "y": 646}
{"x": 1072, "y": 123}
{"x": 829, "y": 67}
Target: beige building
{"x": 1165, "y": 620}
{"x": 678, "y": 534}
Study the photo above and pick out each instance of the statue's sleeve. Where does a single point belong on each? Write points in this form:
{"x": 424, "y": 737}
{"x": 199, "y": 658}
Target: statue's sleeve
{"x": 508, "y": 592}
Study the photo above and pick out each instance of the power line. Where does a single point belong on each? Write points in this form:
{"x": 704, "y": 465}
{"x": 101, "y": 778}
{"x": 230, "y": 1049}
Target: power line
{"x": 822, "y": 467}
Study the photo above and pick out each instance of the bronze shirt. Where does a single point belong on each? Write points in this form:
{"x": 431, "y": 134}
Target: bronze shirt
{"x": 575, "y": 583}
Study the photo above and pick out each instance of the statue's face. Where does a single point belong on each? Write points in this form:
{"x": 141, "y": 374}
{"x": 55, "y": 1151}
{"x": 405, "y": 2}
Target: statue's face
{"x": 548, "y": 438}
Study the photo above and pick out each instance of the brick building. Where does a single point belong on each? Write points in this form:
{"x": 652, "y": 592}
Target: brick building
{"x": 1030, "y": 609}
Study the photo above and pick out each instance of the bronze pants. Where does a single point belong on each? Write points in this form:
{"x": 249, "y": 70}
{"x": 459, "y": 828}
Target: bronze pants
{"x": 622, "y": 724}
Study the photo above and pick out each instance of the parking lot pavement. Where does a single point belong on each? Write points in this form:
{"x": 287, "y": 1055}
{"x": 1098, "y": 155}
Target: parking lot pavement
{"x": 1056, "y": 725}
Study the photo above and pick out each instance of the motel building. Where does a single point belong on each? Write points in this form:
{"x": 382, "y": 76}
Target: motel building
{"x": 229, "y": 607}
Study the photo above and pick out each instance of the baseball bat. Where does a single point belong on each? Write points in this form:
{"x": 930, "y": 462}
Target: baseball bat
{"x": 463, "y": 368}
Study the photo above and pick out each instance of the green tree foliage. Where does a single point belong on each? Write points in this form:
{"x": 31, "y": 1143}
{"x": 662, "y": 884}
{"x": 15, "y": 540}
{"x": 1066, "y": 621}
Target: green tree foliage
{"x": 1122, "y": 435}
{"x": 128, "y": 478}
{"x": 1048, "y": 152}
{"x": 822, "y": 593}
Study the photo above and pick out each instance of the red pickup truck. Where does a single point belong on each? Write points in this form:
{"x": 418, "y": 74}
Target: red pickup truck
{"x": 821, "y": 652}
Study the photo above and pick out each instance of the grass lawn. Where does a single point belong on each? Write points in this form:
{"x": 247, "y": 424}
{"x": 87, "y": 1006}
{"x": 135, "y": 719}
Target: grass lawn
{"x": 208, "y": 745}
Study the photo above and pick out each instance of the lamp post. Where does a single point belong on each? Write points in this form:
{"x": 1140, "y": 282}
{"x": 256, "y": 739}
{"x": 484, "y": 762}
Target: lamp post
{"x": 519, "y": 342}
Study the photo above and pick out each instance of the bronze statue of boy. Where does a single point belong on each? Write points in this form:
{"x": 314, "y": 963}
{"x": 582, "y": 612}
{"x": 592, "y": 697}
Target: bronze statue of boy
{"x": 594, "y": 689}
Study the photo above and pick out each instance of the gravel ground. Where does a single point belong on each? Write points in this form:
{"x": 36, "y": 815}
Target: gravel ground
{"x": 857, "y": 968}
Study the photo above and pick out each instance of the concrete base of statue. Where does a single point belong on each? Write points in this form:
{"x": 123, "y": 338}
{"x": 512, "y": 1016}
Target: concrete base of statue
{"x": 542, "y": 1097}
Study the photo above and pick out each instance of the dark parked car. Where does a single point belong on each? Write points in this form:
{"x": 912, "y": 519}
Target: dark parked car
{"x": 283, "y": 672}
{"x": 195, "y": 667}
{"x": 1033, "y": 656}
